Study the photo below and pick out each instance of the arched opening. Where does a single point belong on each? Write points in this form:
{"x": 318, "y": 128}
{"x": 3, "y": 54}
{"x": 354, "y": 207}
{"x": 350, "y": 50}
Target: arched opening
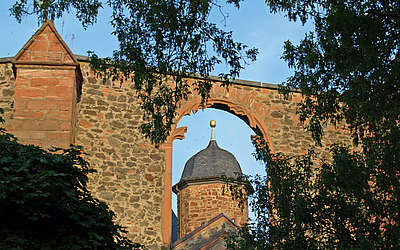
{"x": 232, "y": 134}
{"x": 235, "y": 125}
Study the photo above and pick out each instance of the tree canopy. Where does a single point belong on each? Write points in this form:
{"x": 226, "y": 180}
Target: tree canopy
{"x": 348, "y": 71}
{"x": 349, "y": 67}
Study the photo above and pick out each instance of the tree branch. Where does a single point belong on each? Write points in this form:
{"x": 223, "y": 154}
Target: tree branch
{"x": 389, "y": 14}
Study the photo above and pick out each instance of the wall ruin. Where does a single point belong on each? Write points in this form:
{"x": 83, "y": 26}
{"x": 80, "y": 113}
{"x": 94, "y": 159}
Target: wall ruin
{"x": 133, "y": 176}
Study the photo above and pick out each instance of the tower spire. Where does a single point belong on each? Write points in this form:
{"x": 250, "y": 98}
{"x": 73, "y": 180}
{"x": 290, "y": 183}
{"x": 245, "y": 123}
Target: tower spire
{"x": 212, "y": 125}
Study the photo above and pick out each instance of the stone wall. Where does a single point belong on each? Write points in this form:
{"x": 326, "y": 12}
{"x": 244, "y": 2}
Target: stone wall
{"x": 199, "y": 203}
{"x": 7, "y": 88}
{"x": 130, "y": 169}
{"x": 133, "y": 176}
{"x": 45, "y": 94}
{"x": 44, "y": 106}
{"x": 265, "y": 110}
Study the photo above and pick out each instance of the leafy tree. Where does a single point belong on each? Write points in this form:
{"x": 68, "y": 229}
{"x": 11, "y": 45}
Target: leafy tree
{"x": 349, "y": 67}
{"x": 44, "y": 202}
{"x": 348, "y": 71}
{"x": 306, "y": 202}
{"x": 161, "y": 44}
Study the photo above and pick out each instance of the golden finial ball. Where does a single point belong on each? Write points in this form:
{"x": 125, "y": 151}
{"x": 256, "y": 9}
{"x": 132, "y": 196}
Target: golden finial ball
{"x": 213, "y": 123}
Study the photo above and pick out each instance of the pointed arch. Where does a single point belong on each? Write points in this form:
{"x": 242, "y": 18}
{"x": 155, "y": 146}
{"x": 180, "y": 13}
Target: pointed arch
{"x": 192, "y": 106}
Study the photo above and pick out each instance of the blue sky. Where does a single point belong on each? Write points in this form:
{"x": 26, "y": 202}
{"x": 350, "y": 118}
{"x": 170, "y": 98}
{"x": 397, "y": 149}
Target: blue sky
{"x": 252, "y": 24}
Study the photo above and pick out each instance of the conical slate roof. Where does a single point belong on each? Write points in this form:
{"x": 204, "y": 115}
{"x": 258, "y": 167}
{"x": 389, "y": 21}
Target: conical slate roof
{"x": 211, "y": 162}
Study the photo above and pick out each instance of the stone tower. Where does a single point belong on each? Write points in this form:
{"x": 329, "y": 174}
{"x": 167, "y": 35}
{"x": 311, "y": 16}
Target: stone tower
{"x": 200, "y": 190}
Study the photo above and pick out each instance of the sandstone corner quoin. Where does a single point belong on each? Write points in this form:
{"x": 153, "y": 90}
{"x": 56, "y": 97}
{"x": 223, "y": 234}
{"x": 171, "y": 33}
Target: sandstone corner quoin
{"x": 51, "y": 97}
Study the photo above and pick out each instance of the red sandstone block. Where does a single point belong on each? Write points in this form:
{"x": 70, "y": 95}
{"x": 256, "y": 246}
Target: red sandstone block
{"x": 40, "y": 125}
{"x": 39, "y": 72}
{"x": 67, "y": 58}
{"x": 38, "y": 45}
{"x": 30, "y": 134}
{"x": 22, "y": 81}
{"x": 149, "y": 177}
{"x": 256, "y": 107}
{"x": 85, "y": 124}
{"x": 19, "y": 104}
{"x": 44, "y": 82}
{"x": 28, "y": 114}
{"x": 43, "y": 104}
{"x": 254, "y": 93}
{"x": 64, "y": 143}
{"x": 47, "y": 56}
{"x": 251, "y": 101}
{"x": 40, "y": 56}
{"x": 238, "y": 95}
{"x": 56, "y": 56}
{"x": 16, "y": 124}
{"x": 59, "y": 92}
{"x": 245, "y": 98}
{"x": 66, "y": 82}
{"x": 47, "y": 31}
{"x": 276, "y": 107}
{"x": 55, "y": 46}
{"x": 66, "y": 105}
{"x": 27, "y": 93}
{"x": 232, "y": 93}
{"x": 273, "y": 120}
{"x": 61, "y": 115}
{"x": 65, "y": 125}
{"x": 50, "y": 35}
{"x": 63, "y": 73}
{"x": 58, "y": 135}
{"x": 26, "y": 56}
{"x": 41, "y": 37}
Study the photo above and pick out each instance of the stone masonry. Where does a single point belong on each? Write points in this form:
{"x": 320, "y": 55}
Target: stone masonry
{"x": 199, "y": 203}
{"x": 45, "y": 90}
{"x": 129, "y": 176}
{"x": 7, "y": 90}
{"x": 52, "y": 98}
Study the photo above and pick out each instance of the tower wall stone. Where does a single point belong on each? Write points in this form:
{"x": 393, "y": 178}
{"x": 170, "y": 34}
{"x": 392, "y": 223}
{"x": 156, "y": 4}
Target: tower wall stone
{"x": 199, "y": 203}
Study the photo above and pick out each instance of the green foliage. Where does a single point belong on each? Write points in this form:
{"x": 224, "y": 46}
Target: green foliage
{"x": 44, "y": 202}
{"x": 349, "y": 67}
{"x": 86, "y": 10}
{"x": 161, "y": 44}
{"x": 348, "y": 202}
{"x": 348, "y": 71}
